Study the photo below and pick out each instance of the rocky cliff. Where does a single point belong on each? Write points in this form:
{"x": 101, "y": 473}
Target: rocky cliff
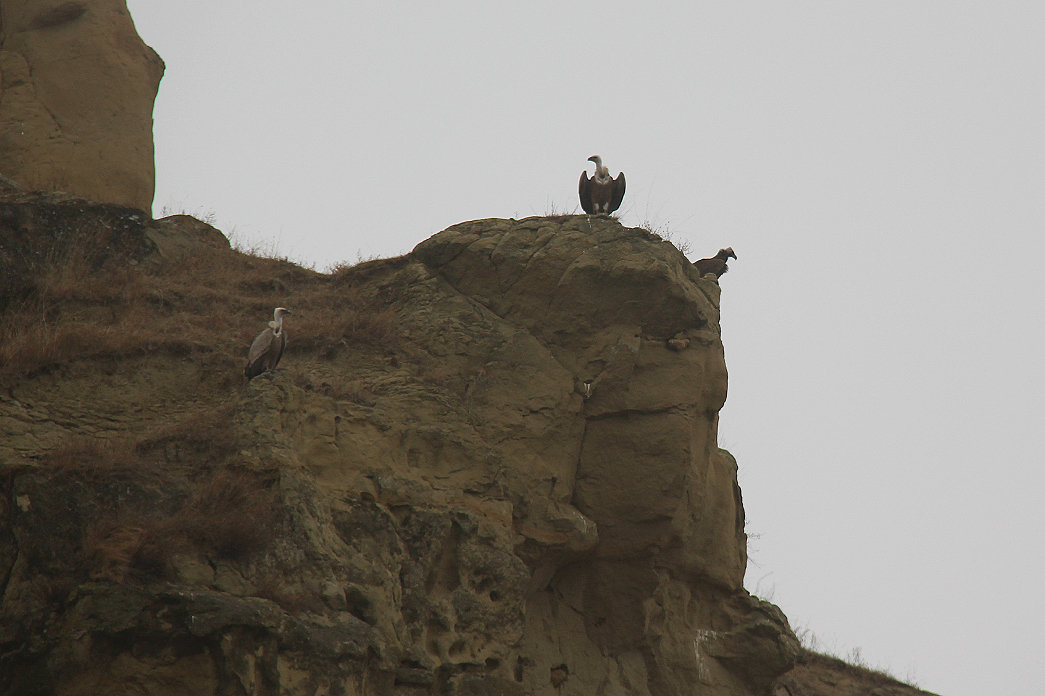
{"x": 486, "y": 467}
{"x": 77, "y": 87}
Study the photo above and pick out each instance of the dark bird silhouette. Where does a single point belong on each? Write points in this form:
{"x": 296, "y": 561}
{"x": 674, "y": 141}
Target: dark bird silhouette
{"x": 268, "y": 346}
{"x": 716, "y": 265}
{"x": 600, "y": 194}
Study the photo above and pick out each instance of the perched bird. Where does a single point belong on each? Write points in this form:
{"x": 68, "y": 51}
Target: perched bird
{"x": 267, "y": 348}
{"x": 716, "y": 264}
{"x": 601, "y": 194}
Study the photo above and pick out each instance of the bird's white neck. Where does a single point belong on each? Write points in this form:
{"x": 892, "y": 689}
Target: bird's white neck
{"x": 277, "y": 325}
{"x": 602, "y": 174}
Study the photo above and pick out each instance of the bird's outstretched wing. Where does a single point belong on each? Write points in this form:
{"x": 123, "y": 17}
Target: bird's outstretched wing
{"x": 618, "y": 192}
{"x": 584, "y": 189}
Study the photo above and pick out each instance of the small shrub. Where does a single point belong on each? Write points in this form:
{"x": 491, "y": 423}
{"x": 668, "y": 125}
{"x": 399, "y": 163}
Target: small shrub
{"x": 232, "y": 513}
{"x": 328, "y": 320}
{"x": 664, "y": 231}
{"x": 370, "y": 326}
{"x": 111, "y": 548}
{"x": 553, "y": 210}
{"x": 853, "y": 663}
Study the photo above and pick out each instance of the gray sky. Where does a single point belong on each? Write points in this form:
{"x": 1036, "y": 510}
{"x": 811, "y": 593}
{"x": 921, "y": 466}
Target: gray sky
{"x": 878, "y": 166}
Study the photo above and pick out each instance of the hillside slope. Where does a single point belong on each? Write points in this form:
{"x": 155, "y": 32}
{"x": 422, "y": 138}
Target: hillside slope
{"x": 424, "y": 498}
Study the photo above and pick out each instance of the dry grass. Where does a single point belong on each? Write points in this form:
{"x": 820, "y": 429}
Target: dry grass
{"x": 82, "y": 307}
{"x": 94, "y": 457}
{"x": 181, "y": 487}
{"x": 855, "y": 666}
{"x": 339, "y": 317}
{"x": 227, "y": 514}
{"x": 43, "y": 344}
{"x": 233, "y": 512}
{"x": 664, "y": 231}
{"x": 853, "y": 663}
{"x": 112, "y": 547}
{"x": 176, "y": 489}
{"x": 553, "y": 210}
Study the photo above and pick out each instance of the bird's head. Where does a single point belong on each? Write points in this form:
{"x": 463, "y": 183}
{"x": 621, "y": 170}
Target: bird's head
{"x": 596, "y": 159}
{"x": 727, "y": 253}
{"x": 280, "y": 311}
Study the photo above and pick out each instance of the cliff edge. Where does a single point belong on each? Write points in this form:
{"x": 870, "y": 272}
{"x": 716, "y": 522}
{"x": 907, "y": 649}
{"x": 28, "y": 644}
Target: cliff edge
{"x": 486, "y": 467}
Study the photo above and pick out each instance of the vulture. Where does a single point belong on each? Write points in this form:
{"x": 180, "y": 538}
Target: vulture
{"x": 267, "y": 348}
{"x": 716, "y": 264}
{"x": 601, "y": 194}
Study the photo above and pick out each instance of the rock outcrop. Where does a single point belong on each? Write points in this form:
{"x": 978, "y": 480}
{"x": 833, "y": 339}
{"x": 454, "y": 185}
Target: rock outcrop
{"x": 487, "y": 467}
{"x": 77, "y": 87}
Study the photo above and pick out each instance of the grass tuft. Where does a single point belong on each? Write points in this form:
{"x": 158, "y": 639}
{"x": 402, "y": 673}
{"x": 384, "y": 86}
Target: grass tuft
{"x": 227, "y": 514}
{"x": 852, "y": 662}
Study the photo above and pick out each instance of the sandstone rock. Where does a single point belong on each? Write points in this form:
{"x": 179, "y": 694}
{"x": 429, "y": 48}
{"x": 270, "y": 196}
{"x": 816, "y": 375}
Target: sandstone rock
{"x": 175, "y": 236}
{"x": 77, "y": 87}
{"x": 419, "y": 500}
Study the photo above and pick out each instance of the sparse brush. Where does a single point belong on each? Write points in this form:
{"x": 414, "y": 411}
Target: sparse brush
{"x": 268, "y": 249}
{"x": 232, "y": 512}
{"x": 814, "y": 652}
{"x": 553, "y": 210}
{"x": 334, "y": 317}
{"x": 343, "y": 266}
{"x": 228, "y": 514}
{"x": 111, "y": 548}
{"x": 203, "y": 215}
{"x": 376, "y": 327}
{"x": 664, "y": 231}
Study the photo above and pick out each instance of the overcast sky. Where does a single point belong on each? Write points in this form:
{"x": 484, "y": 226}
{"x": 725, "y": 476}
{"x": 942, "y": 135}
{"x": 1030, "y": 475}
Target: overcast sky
{"x": 878, "y": 167}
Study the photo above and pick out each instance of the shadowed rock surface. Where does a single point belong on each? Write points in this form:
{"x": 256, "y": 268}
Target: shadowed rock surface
{"x": 77, "y": 87}
{"x": 419, "y": 500}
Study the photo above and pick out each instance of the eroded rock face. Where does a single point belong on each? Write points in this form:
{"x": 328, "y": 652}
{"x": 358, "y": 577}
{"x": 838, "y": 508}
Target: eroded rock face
{"x": 520, "y": 493}
{"x": 77, "y": 87}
